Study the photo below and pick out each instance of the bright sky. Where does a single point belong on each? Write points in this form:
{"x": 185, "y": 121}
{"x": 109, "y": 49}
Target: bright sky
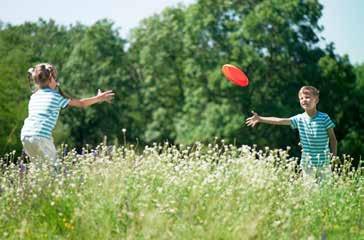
{"x": 343, "y": 20}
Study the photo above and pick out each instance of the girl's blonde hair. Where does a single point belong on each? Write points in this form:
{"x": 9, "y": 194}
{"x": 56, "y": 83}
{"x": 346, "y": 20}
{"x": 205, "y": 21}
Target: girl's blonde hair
{"x": 40, "y": 74}
{"x": 314, "y": 91}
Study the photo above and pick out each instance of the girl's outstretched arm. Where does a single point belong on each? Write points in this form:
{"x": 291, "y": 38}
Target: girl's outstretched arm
{"x": 255, "y": 119}
{"x": 86, "y": 102}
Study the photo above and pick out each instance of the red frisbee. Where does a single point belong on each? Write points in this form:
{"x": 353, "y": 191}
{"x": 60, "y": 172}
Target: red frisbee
{"x": 235, "y": 75}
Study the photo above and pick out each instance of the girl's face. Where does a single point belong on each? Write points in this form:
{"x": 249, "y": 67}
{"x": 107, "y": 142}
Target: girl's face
{"x": 308, "y": 101}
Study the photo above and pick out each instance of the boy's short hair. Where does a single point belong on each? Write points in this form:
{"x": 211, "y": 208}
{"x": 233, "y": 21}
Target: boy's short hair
{"x": 314, "y": 91}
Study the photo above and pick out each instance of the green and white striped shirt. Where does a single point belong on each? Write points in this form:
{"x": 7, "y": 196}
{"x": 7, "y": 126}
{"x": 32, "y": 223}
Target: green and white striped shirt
{"x": 314, "y": 137}
{"x": 44, "y": 107}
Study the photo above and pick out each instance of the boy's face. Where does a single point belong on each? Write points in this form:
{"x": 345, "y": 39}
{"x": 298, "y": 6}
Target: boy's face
{"x": 307, "y": 100}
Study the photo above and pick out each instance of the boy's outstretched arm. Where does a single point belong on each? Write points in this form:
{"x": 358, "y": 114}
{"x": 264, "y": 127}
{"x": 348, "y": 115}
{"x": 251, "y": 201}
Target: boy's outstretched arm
{"x": 333, "y": 141}
{"x": 100, "y": 97}
{"x": 253, "y": 120}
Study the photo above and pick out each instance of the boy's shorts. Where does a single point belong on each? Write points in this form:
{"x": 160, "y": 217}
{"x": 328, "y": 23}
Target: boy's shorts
{"x": 316, "y": 174}
{"x": 40, "y": 148}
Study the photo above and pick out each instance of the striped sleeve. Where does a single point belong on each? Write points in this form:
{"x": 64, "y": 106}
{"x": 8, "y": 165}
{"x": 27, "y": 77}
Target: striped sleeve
{"x": 63, "y": 102}
{"x": 294, "y": 121}
{"x": 328, "y": 122}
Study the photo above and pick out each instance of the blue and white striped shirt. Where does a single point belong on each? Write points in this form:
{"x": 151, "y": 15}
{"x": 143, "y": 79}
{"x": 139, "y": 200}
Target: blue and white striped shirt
{"x": 314, "y": 137}
{"x": 44, "y": 107}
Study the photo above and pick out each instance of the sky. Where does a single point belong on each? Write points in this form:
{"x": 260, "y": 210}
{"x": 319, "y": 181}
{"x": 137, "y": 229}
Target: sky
{"x": 343, "y": 20}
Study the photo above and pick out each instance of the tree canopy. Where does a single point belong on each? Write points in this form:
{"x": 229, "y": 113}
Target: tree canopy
{"x": 167, "y": 75}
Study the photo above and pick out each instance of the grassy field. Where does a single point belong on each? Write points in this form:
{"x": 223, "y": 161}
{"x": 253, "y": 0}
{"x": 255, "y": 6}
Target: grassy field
{"x": 214, "y": 191}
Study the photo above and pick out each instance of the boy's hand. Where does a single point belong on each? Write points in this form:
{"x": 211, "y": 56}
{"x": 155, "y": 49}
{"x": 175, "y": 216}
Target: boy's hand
{"x": 253, "y": 120}
{"x": 105, "y": 96}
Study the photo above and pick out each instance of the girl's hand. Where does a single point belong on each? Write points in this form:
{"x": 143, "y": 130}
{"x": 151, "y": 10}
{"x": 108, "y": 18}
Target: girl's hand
{"x": 106, "y": 96}
{"x": 253, "y": 120}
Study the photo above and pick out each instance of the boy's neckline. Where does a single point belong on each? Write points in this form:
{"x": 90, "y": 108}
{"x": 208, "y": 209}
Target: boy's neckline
{"x": 313, "y": 116}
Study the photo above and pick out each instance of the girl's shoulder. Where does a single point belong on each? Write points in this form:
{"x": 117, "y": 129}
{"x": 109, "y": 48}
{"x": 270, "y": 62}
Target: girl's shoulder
{"x": 42, "y": 92}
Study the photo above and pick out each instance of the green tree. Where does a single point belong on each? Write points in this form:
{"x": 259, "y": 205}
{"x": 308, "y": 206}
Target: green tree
{"x": 13, "y": 59}
{"x": 98, "y": 61}
{"x": 156, "y": 50}
{"x": 275, "y": 42}
{"x": 353, "y": 140}
{"x": 168, "y": 77}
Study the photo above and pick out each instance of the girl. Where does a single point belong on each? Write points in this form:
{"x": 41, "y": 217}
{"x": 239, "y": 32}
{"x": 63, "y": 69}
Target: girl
{"x": 44, "y": 106}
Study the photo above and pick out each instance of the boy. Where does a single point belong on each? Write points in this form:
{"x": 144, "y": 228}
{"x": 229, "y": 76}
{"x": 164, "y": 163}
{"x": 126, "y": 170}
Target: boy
{"x": 316, "y": 132}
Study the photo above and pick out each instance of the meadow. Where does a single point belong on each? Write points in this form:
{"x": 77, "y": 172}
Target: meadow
{"x": 164, "y": 191}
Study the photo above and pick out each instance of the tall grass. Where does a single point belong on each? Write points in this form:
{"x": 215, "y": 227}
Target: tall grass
{"x": 213, "y": 191}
